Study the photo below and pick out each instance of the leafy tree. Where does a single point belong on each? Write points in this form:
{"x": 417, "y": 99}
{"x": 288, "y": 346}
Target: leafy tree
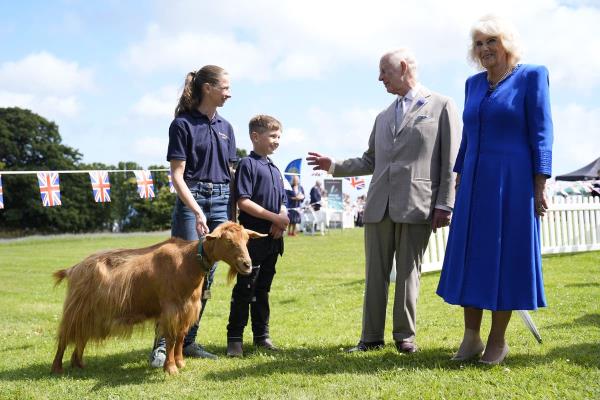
{"x": 99, "y": 214}
{"x": 154, "y": 214}
{"x": 29, "y": 142}
{"x": 124, "y": 193}
{"x": 241, "y": 152}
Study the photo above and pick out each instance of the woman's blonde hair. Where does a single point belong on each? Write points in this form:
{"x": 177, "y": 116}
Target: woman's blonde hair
{"x": 191, "y": 96}
{"x": 492, "y": 25}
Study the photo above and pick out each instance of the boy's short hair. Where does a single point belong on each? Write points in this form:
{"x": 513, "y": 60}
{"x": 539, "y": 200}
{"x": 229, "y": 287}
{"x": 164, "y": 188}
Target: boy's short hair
{"x": 263, "y": 123}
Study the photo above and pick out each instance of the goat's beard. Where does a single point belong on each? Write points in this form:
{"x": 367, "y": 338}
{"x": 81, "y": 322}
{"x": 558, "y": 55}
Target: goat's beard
{"x": 231, "y": 275}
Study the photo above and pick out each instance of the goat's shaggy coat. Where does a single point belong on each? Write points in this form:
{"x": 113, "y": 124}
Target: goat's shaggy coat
{"x": 113, "y": 290}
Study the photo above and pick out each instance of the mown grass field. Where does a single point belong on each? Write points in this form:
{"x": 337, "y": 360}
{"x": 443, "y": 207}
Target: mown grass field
{"x": 316, "y": 313}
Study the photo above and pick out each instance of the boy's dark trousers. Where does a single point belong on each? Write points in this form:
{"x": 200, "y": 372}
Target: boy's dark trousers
{"x": 250, "y": 294}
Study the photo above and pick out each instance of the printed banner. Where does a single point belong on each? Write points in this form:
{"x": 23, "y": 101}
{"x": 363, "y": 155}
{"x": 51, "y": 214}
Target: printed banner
{"x": 335, "y": 200}
{"x": 49, "y": 188}
{"x": 100, "y": 186}
{"x": 145, "y": 184}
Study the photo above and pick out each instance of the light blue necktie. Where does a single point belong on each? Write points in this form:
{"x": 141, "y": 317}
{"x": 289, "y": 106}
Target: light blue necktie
{"x": 400, "y": 110}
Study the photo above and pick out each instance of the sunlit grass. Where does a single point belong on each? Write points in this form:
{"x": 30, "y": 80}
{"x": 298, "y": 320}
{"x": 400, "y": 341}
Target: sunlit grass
{"x": 316, "y": 303}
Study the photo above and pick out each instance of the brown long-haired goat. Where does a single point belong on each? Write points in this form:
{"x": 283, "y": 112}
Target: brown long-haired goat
{"x": 110, "y": 291}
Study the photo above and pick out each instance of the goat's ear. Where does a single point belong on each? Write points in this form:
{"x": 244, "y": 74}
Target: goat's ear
{"x": 211, "y": 236}
{"x": 255, "y": 235}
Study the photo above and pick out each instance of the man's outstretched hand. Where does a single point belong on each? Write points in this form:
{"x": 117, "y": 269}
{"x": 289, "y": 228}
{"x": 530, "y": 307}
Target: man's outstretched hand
{"x": 318, "y": 161}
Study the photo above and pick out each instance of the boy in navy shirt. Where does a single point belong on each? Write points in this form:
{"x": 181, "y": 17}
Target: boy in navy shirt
{"x": 260, "y": 197}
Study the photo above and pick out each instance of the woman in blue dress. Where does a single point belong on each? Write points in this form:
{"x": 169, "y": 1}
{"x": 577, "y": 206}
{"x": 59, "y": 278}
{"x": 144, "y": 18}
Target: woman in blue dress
{"x": 493, "y": 259}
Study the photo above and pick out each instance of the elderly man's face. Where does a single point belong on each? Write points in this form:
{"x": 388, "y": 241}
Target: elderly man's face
{"x": 393, "y": 76}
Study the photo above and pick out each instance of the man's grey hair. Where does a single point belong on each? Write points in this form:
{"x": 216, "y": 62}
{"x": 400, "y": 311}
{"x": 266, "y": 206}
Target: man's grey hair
{"x": 403, "y": 54}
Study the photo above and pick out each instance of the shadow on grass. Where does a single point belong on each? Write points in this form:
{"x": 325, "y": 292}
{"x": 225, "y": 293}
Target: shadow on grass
{"x": 131, "y": 368}
{"x": 22, "y": 347}
{"x": 128, "y": 368}
{"x": 584, "y": 320}
{"x": 330, "y": 360}
{"x": 351, "y": 283}
{"x": 288, "y": 301}
{"x": 586, "y": 355}
{"x": 583, "y": 285}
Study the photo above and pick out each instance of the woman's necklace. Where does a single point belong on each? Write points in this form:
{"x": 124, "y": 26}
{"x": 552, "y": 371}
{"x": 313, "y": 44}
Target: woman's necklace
{"x": 503, "y": 77}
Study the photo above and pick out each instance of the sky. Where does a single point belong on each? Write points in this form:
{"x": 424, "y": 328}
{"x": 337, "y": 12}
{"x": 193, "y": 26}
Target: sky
{"x": 109, "y": 73}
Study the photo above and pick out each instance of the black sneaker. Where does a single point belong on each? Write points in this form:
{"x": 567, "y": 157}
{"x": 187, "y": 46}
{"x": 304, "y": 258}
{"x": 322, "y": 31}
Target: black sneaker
{"x": 366, "y": 346}
{"x": 196, "y": 351}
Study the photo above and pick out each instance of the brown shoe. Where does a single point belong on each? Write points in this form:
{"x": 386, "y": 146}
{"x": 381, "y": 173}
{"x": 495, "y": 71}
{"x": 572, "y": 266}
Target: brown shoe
{"x": 234, "y": 349}
{"x": 404, "y": 346}
{"x": 266, "y": 344}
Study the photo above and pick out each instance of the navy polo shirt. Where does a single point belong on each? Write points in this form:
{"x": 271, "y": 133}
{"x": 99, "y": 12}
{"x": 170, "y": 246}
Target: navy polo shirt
{"x": 207, "y": 146}
{"x": 259, "y": 180}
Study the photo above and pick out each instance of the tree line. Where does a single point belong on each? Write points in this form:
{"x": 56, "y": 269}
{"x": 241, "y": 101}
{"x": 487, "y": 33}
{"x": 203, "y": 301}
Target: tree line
{"x": 29, "y": 142}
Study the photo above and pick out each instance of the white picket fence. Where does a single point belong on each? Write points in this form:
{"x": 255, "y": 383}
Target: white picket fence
{"x": 571, "y": 224}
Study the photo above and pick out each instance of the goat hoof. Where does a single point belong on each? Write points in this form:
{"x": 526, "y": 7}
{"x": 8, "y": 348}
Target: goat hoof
{"x": 180, "y": 363}
{"x": 57, "y": 370}
{"x": 171, "y": 369}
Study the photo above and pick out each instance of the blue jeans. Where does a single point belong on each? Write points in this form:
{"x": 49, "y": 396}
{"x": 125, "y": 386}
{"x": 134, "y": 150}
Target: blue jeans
{"x": 213, "y": 199}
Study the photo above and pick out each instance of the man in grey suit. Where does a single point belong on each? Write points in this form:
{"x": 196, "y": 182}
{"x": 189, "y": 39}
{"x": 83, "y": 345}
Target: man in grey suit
{"x": 411, "y": 154}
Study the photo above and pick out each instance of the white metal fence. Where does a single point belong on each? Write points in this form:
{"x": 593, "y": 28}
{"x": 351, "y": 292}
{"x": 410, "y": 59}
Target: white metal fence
{"x": 572, "y": 224}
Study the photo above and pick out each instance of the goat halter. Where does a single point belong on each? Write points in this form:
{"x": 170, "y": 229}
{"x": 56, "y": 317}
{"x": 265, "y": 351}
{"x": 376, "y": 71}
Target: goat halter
{"x": 205, "y": 264}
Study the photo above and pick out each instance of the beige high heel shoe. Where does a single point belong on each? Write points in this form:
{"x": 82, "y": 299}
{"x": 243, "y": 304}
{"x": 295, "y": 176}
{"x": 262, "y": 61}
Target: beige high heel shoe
{"x": 470, "y": 347}
{"x": 464, "y": 354}
{"x": 500, "y": 358}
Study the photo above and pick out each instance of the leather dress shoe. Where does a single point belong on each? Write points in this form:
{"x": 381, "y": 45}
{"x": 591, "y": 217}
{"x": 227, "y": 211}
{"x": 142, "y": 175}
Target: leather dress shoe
{"x": 234, "y": 349}
{"x": 366, "y": 346}
{"x": 266, "y": 344}
{"x": 404, "y": 346}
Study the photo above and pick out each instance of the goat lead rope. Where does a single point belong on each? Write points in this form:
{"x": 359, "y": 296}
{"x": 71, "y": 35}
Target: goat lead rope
{"x": 202, "y": 259}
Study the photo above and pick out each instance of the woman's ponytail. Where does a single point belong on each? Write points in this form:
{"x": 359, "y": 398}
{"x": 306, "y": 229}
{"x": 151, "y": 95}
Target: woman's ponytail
{"x": 191, "y": 95}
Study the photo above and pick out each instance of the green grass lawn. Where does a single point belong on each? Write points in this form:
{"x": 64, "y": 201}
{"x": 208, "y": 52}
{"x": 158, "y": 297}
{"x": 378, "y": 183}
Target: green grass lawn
{"x": 316, "y": 304}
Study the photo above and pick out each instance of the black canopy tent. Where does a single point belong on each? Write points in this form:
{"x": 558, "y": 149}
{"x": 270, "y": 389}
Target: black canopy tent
{"x": 587, "y": 173}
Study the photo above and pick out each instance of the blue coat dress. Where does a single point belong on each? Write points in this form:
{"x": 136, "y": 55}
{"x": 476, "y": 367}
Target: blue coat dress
{"x": 493, "y": 256}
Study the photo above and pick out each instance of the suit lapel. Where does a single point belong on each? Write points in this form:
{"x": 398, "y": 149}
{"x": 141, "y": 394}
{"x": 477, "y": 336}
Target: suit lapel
{"x": 390, "y": 116}
{"x": 419, "y": 101}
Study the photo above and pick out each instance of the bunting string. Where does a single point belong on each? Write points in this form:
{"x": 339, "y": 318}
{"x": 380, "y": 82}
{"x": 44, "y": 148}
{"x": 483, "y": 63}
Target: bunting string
{"x": 49, "y": 184}
{"x": 80, "y": 171}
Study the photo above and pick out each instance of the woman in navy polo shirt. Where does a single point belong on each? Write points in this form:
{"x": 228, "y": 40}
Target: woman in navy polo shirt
{"x": 201, "y": 152}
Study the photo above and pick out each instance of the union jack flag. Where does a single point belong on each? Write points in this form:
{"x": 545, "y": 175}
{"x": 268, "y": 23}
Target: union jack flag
{"x": 1, "y": 195}
{"x": 356, "y": 182}
{"x": 49, "y": 188}
{"x": 145, "y": 184}
{"x": 100, "y": 186}
{"x": 171, "y": 187}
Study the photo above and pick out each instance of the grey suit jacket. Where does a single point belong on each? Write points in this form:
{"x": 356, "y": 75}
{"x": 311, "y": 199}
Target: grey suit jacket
{"x": 411, "y": 164}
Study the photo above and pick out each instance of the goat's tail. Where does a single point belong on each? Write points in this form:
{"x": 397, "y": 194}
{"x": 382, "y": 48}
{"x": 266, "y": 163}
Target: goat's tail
{"x": 60, "y": 275}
